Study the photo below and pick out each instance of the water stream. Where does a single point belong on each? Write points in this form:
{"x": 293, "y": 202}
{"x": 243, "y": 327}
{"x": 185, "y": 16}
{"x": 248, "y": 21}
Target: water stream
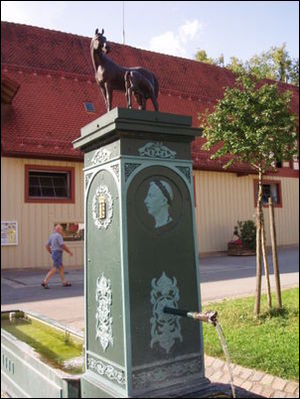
{"x": 225, "y": 350}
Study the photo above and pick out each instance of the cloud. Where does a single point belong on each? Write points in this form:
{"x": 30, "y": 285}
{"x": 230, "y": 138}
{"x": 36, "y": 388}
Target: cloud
{"x": 44, "y": 13}
{"x": 174, "y": 43}
{"x": 189, "y": 30}
{"x": 168, "y": 43}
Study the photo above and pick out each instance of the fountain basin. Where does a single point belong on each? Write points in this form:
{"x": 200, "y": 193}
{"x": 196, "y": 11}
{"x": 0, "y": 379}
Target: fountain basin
{"x": 40, "y": 358}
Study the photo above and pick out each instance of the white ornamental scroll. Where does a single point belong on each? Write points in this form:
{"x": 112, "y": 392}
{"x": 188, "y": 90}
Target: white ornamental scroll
{"x": 165, "y": 328}
{"x": 156, "y": 150}
{"x": 104, "y": 319}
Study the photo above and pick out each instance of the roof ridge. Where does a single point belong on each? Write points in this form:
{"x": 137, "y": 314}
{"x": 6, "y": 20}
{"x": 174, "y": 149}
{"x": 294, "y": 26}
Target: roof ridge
{"x": 45, "y": 29}
{"x": 124, "y": 45}
{"x": 212, "y": 66}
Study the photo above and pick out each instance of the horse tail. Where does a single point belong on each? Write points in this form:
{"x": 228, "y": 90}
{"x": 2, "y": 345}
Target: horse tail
{"x": 156, "y": 86}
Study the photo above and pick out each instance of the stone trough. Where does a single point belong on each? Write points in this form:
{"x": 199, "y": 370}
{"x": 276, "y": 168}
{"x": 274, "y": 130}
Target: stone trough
{"x": 27, "y": 373}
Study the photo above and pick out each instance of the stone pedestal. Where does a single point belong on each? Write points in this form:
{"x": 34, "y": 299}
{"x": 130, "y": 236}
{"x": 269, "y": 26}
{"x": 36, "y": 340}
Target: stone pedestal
{"x": 140, "y": 256}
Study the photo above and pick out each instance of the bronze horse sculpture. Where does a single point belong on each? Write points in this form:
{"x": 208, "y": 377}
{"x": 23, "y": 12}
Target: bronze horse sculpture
{"x": 111, "y": 76}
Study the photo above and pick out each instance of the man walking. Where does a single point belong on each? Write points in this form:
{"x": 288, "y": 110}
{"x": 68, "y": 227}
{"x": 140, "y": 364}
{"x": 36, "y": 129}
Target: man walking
{"x": 55, "y": 246}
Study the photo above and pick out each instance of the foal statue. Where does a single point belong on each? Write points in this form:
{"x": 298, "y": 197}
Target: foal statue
{"x": 111, "y": 76}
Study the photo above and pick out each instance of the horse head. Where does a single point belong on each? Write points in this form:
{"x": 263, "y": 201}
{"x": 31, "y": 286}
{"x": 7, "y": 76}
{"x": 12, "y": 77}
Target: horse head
{"x": 99, "y": 42}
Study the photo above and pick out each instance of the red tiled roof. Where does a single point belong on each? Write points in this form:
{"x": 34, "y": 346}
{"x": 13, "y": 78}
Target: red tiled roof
{"x": 56, "y": 77}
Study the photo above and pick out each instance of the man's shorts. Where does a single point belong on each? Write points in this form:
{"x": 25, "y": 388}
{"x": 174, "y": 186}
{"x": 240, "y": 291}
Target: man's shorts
{"x": 57, "y": 258}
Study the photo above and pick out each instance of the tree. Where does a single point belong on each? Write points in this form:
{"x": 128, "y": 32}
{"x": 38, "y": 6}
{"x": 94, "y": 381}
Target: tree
{"x": 253, "y": 124}
{"x": 201, "y": 56}
{"x": 275, "y": 64}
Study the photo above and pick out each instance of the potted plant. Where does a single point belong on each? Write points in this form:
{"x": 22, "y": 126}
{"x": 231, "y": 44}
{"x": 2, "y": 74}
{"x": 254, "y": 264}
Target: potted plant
{"x": 244, "y": 239}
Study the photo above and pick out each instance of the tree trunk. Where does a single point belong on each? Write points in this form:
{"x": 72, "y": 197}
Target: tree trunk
{"x": 258, "y": 246}
{"x": 274, "y": 253}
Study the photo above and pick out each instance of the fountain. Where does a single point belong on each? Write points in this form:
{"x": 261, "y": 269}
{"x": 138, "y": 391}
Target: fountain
{"x": 139, "y": 232}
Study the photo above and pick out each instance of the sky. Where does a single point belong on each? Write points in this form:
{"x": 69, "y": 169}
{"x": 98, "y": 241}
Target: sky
{"x": 231, "y": 28}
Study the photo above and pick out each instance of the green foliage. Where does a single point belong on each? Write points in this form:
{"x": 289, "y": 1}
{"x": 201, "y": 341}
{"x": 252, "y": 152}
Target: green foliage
{"x": 247, "y": 233}
{"x": 201, "y": 56}
{"x": 275, "y": 64}
{"x": 253, "y": 123}
{"x": 269, "y": 343}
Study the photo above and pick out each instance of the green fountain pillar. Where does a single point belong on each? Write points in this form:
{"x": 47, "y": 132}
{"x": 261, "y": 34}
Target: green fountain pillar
{"x": 140, "y": 256}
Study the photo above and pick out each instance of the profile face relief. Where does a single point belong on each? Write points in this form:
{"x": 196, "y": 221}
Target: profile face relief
{"x": 158, "y": 200}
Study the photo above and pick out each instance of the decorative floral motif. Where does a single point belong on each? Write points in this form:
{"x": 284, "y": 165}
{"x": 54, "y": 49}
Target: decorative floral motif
{"x": 106, "y": 370}
{"x": 103, "y": 315}
{"x": 116, "y": 170}
{"x": 186, "y": 171}
{"x": 87, "y": 179}
{"x": 165, "y": 328}
{"x": 102, "y": 223}
{"x": 156, "y": 150}
{"x": 129, "y": 168}
{"x": 172, "y": 371}
{"x": 102, "y": 155}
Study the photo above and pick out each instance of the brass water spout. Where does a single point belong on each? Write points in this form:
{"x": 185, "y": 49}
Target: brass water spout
{"x": 208, "y": 317}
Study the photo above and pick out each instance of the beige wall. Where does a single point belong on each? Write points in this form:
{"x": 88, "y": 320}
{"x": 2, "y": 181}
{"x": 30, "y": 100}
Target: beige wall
{"x": 35, "y": 221}
{"x": 223, "y": 199}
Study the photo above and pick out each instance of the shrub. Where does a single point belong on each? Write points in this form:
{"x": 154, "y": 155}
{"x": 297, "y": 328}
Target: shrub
{"x": 247, "y": 232}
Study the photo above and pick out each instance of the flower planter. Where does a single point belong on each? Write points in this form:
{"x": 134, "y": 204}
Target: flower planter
{"x": 239, "y": 250}
{"x": 25, "y": 372}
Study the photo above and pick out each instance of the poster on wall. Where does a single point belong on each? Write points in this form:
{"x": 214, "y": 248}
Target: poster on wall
{"x": 9, "y": 233}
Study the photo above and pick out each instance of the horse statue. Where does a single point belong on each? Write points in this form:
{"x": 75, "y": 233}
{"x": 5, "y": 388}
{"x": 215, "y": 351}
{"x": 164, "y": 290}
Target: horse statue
{"x": 111, "y": 76}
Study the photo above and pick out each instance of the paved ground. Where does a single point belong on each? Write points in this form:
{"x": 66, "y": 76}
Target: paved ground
{"x": 221, "y": 277}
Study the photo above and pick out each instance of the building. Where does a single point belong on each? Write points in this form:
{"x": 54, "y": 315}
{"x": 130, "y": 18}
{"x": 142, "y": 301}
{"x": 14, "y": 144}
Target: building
{"x": 48, "y": 92}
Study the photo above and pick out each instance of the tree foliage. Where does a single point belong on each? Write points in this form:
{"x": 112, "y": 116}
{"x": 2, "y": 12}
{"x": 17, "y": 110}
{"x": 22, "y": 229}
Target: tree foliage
{"x": 253, "y": 123}
{"x": 275, "y": 64}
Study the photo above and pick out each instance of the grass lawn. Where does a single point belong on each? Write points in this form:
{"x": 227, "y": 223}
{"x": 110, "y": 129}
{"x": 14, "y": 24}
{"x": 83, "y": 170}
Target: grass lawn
{"x": 269, "y": 343}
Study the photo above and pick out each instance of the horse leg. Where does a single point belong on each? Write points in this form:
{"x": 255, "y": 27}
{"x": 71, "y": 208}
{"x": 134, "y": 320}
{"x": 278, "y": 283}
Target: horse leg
{"x": 103, "y": 91}
{"x": 143, "y": 103}
{"x": 139, "y": 100}
{"x": 129, "y": 94}
{"x": 108, "y": 96}
{"x": 128, "y": 89}
{"x": 154, "y": 102}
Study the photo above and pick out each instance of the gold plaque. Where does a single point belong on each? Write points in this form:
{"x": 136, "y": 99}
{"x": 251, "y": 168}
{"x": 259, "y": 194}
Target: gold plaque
{"x": 102, "y": 207}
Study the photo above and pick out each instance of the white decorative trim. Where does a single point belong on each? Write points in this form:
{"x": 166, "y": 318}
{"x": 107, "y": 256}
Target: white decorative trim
{"x": 102, "y": 223}
{"x": 102, "y": 155}
{"x": 106, "y": 370}
{"x": 171, "y": 371}
{"x": 103, "y": 313}
{"x": 156, "y": 150}
{"x": 165, "y": 328}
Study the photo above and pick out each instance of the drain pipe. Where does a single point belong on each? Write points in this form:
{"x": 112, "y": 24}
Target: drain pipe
{"x": 208, "y": 317}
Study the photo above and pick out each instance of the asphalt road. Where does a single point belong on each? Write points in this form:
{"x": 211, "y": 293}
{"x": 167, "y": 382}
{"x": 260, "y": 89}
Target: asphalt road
{"x": 221, "y": 277}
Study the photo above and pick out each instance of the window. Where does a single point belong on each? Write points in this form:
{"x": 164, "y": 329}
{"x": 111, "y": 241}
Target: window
{"x": 72, "y": 231}
{"x": 49, "y": 184}
{"x": 89, "y": 107}
{"x": 271, "y": 189}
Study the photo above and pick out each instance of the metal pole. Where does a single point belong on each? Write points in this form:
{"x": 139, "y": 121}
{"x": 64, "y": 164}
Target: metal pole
{"x": 123, "y": 22}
